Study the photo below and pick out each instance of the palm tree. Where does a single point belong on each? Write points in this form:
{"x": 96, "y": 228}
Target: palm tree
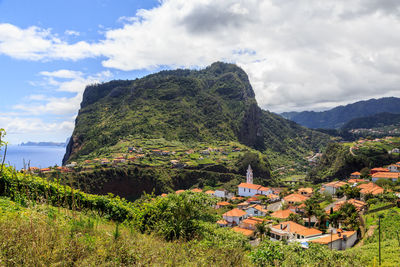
{"x": 322, "y": 218}
{"x": 261, "y": 230}
{"x": 309, "y": 210}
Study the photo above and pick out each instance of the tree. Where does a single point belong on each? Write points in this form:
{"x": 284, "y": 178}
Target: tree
{"x": 310, "y": 209}
{"x": 294, "y": 217}
{"x": 261, "y": 230}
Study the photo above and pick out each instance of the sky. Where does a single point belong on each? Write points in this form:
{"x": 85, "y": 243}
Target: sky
{"x": 299, "y": 55}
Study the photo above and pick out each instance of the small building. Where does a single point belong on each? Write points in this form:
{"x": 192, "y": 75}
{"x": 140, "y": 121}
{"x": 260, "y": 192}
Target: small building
{"x": 179, "y": 191}
{"x": 210, "y": 192}
{"x": 222, "y": 204}
{"x": 338, "y": 241}
{"x": 294, "y": 198}
{"x": 305, "y": 191}
{"x": 282, "y": 214}
{"x": 243, "y": 205}
{"x": 355, "y": 175}
{"x": 248, "y": 190}
{"x": 235, "y": 216}
{"x": 196, "y": 190}
{"x": 246, "y": 232}
{"x": 375, "y": 170}
{"x": 394, "y": 168}
{"x": 221, "y": 193}
{"x": 358, "y": 204}
{"x": 251, "y": 222}
{"x": 370, "y": 188}
{"x": 292, "y": 231}
{"x": 223, "y": 223}
{"x": 256, "y": 210}
{"x": 332, "y": 187}
{"x": 355, "y": 181}
{"x": 394, "y": 176}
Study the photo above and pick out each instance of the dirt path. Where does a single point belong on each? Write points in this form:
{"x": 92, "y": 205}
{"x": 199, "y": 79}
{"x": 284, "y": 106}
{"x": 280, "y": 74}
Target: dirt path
{"x": 369, "y": 233}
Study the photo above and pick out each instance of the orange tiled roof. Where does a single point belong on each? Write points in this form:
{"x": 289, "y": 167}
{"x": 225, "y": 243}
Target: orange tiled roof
{"x": 293, "y": 227}
{"x": 179, "y": 191}
{"x": 356, "y": 173}
{"x": 250, "y": 186}
{"x": 246, "y": 232}
{"x": 308, "y": 190}
{"x": 327, "y": 239}
{"x": 282, "y": 214}
{"x": 235, "y": 213}
{"x": 253, "y": 220}
{"x": 245, "y": 203}
{"x": 258, "y": 207}
{"x": 358, "y": 204}
{"x": 309, "y": 232}
{"x": 264, "y": 189}
{"x": 354, "y": 180}
{"x": 370, "y": 188}
{"x": 237, "y": 198}
{"x": 222, "y": 222}
{"x": 164, "y": 195}
{"x": 210, "y": 192}
{"x": 196, "y": 190}
{"x": 252, "y": 199}
{"x": 223, "y": 203}
{"x": 380, "y": 169}
{"x": 335, "y": 184}
{"x": 295, "y": 198}
{"x": 386, "y": 175}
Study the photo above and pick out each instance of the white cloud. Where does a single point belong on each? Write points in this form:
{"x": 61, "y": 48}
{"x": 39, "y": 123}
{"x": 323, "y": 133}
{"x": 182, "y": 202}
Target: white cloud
{"x": 298, "y": 54}
{"x": 61, "y": 81}
{"x": 72, "y": 33}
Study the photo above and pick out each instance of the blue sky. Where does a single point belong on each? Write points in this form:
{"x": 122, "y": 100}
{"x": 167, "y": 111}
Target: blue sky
{"x": 299, "y": 56}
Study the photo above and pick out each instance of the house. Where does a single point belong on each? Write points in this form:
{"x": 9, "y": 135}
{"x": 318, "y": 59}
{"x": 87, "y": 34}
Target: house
{"x": 294, "y": 198}
{"x": 179, "y": 191}
{"x": 223, "y": 223}
{"x": 332, "y": 187}
{"x": 394, "y": 168}
{"x": 370, "y": 188}
{"x": 292, "y": 231}
{"x": 395, "y": 150}
{"x": 221, "y": 193}
{"x": 246, "y": 232}
{"x": 196, "y": 190}
{"x": 394, "y": 176}
{"x": 210, "y": 192}
{"x": 222, "y": 204}
{"x": 248, "y": 190}
{"x": 338, "y": 241}
{"x": 266, "y": 191}
{"x": 256, "y": 210}
{"x": 375, "y": 170}
{"x": 251, "y": 222}
{"x": 273, "y": 198}
{"x": 355, "y": 175}
{"x": 358, "y": 204}
{"x": 305, "y": 191}
{"x": 235, "y": 216}
{"x": 282, "y": 214}
{"x": 355, "y": 181}
{"x": 243, "y": 205}
{"x": 253, "y": 200}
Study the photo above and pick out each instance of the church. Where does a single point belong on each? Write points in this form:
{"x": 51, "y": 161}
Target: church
{"x": 248, "y": 189}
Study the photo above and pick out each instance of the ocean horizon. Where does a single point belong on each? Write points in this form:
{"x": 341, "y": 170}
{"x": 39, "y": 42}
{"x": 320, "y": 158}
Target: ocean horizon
{"x": 36, "y": 156}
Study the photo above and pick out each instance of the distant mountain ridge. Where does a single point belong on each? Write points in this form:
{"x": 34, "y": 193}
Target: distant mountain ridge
{"x": 337, "y": 117}
{"x": 29, "y": 143}
{"x": 374, "y": 121}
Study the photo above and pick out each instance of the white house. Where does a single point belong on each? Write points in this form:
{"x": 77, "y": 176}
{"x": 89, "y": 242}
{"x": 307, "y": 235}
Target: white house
{"x": 221, "y": 193}
{"x": 337, "y": 241}
{"x": 235, "y": 216}
{"x": 394, "y": 168}
{"x": 256, "y": 210}
{"x": 248, "y": 190}
{"x": 332, "y": 187}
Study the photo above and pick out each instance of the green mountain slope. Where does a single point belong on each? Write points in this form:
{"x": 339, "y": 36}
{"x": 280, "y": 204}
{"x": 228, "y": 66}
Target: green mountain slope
{"x": 214, "y": 104}
{"x": 374, "y": 121}
{"x": 338, "y": 116}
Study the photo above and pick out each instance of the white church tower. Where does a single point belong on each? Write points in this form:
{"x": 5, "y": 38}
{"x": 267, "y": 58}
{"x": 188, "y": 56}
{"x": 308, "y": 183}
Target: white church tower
{"x": 249, "y": 175}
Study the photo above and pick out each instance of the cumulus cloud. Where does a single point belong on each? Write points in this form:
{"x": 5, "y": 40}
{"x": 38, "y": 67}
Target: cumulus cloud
{"x": 299, "y": 55}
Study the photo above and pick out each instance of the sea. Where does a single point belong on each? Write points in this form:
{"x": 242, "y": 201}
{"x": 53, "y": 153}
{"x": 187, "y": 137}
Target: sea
{"x": 37, "y": 156}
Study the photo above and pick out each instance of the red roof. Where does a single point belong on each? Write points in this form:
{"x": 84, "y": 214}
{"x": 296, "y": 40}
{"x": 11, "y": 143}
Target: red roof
{"x": 250, "y": 186}
{"x": 282, "y": 214}
{"x": 295, "y": 198}
{"x": 235, "y": 213}
{"x": 386, "y": 175}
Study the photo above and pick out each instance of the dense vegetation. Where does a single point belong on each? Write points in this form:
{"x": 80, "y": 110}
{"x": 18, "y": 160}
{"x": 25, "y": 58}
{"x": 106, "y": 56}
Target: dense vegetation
{"x": 374, "y": 121}
{"x": 338, "y": 116}
{"x": 341, "y": 159}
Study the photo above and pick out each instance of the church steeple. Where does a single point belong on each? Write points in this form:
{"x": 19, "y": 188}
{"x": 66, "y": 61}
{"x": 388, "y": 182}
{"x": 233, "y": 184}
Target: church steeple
{"x": 249, "y": 175}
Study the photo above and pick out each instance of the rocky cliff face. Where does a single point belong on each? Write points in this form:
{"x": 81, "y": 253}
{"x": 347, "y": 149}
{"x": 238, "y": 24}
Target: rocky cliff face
{"x": 213, "y": 104}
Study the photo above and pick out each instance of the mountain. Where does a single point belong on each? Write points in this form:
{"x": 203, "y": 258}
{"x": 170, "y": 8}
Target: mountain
{"x": 374, "y": 121}
{"x": 44, "y": 144}
{"x": 338, "y": 116}
{"x": 214, "y": 104}
{"x": 207, "y": 122}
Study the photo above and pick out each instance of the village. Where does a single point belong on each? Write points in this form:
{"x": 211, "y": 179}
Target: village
{"x": 329, "y": 214}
